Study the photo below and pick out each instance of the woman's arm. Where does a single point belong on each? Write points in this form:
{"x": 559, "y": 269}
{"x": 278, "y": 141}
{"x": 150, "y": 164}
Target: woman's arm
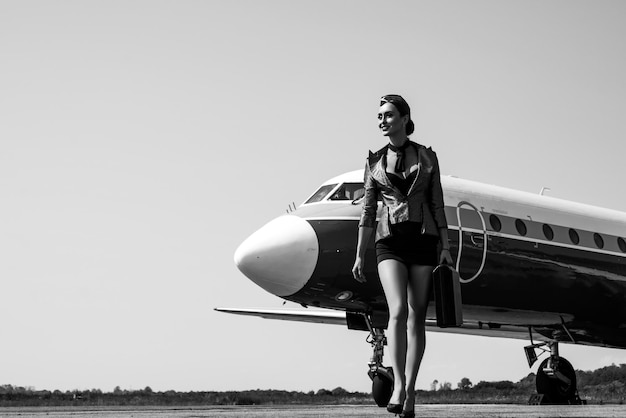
{"x": 366, "y": 223}
{"x": 438, "y": 210}
{"x": 365, "y": 233}
{"x": 445, "y": 257}
{"x": 437, "y": 206}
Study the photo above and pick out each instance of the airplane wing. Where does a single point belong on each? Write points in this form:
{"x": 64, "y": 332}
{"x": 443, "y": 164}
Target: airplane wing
{"x": 469, "y": 327}
{"x": 313, "y": 316}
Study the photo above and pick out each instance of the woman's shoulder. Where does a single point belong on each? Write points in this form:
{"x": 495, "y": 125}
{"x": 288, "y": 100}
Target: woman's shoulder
{"x": 373, "y": 157}
{"x": 427, "y": 156}
{"x": 422, "y": 146}
{"x": 425, "y": 149}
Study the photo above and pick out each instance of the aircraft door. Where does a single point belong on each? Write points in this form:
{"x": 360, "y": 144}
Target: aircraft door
{"x": 472, "y": 253}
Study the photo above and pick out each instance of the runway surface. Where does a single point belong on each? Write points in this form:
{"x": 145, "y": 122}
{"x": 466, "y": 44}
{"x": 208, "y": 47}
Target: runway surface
{"x": 444, "y": 411}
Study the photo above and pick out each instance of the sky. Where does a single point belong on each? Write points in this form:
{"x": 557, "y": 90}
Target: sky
{"x": 142, "y": 141}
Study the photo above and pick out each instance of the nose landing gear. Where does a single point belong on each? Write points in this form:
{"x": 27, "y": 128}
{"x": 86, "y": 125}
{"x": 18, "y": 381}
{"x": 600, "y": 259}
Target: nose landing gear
{"x": 382, "y": 377}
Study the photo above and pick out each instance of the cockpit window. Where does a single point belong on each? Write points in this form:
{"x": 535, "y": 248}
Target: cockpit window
{"x": 348, "y": 191}
{"x": 321, "y": 193}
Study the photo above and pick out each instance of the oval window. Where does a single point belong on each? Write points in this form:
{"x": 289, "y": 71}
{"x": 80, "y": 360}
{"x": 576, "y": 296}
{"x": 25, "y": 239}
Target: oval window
{"x": 496, "y": 225}
{"x": 573, "y": 236}
{"x": 622, "y": 244}
{"x": 548, "y": 232}
{"x": 599, "y": 241}
{"x": 521, "y": 227}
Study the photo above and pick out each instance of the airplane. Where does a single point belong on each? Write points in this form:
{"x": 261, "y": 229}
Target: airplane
{"x": 531, "y": 267}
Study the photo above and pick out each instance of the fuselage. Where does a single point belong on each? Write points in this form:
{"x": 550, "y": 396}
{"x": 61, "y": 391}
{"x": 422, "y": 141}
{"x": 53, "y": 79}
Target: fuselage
{"x": 528, "y": 263}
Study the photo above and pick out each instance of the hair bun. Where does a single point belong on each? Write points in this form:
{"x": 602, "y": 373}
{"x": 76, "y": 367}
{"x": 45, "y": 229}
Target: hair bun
{"x": 410, "y": 127}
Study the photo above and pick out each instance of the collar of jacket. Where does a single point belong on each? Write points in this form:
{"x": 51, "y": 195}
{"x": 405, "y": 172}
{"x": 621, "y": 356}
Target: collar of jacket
{"x": 374, "y": 157}
{"x": 378, "y": 170}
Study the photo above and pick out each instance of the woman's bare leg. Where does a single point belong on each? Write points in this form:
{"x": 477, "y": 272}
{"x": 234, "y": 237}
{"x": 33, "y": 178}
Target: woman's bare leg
{"x": 394, "y": 278}
{"x": 419, "y": 285}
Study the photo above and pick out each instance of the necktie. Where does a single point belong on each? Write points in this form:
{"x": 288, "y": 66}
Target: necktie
{"x": 400, "y": 151}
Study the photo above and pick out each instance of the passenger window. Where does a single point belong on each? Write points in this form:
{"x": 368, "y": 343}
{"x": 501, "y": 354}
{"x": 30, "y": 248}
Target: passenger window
{"x": 573, "y": 235}
{"x": 495, "y": 223}
{"x": 321, "y": 193}
{"x": 548, "y": 232}
{"x": 521, "y": 227}
{"x": 622, "y": 244}
{"x": 349, "y": 191}
{"x": 598, "y": 240}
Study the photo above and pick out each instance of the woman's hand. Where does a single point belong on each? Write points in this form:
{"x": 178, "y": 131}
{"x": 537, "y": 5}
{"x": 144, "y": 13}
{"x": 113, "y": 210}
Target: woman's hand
{"x": 357, "y": 270}
{"x": 445, "y": 257}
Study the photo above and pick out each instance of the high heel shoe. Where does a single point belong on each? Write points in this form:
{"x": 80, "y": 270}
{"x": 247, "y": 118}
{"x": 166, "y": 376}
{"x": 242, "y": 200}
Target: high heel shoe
{"x": 407, "y": 414}
{"x": 394, "y": 408}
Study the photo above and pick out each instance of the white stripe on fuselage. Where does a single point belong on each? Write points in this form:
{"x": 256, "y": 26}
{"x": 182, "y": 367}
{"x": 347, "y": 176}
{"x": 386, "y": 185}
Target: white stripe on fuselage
{"x": 491, "y": 234}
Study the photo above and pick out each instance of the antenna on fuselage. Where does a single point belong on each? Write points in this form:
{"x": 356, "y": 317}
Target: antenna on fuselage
{"x": 544, "y": 189}
{"x": 291, "y": 209}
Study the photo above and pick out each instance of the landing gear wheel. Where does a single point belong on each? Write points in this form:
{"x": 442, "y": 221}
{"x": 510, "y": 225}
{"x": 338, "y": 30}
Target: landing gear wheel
{"x": 382, "y": 377}
{"x": 382, "y": 387}
{"x": 555, "y": 390}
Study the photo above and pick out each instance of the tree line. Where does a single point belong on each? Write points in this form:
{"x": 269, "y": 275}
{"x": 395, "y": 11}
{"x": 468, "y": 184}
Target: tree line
{"x": 14, "y": 396}
{"x": 605, "y": 385}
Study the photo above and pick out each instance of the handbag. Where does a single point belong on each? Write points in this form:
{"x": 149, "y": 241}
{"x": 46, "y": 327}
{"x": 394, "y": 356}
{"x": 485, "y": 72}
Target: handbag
{"x": 448, "y": 304}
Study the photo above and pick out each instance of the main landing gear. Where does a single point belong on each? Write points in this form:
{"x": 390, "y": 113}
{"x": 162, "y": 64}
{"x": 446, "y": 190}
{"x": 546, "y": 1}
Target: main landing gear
{"x": 556, "y": 378}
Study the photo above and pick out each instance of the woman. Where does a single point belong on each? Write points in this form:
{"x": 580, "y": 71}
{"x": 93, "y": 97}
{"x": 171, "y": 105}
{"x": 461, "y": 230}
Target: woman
{"x": 406, "y": 176}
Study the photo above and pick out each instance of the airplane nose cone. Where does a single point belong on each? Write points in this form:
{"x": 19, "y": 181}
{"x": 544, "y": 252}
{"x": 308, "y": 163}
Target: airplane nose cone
{"x": 281, "y": 256}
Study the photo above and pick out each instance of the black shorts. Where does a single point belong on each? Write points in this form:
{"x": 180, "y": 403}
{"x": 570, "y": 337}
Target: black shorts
{"x": 408, "y": 245}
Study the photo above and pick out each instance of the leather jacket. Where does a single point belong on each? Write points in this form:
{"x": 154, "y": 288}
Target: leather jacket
{"x": 423, "y": 202}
